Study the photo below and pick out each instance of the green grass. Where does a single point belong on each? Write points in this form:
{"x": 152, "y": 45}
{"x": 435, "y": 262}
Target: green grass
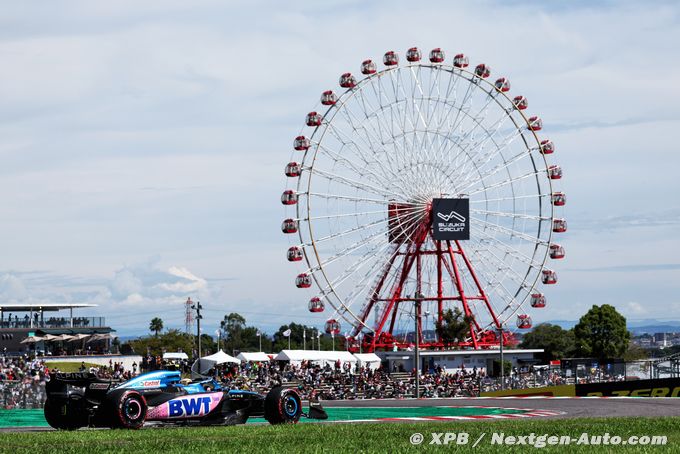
{"x": 69, "y": 366}
{"x": 338, "y": 438}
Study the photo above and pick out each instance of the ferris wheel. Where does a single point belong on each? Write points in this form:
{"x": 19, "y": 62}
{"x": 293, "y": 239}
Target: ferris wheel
{"x": 422, "y": 181}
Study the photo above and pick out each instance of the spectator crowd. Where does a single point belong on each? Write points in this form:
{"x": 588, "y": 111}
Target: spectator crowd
{"x": 347, "y": 381}
{"x": 22, "y": 380}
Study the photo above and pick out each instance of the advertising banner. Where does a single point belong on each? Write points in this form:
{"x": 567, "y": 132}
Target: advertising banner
{"x": 662, "y": 387}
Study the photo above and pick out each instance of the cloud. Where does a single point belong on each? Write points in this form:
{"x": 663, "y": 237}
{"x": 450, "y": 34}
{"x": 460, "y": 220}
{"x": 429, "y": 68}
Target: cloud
{"x": 126, "y": 298}
{"x": 149, "y": 281}
{"x": 162, "y": 128}
{"x": 634, "y": 309}
{"x": 639, "y": 219}
{"x": 599, "y": 124}
{"x": 125, "y": 283}
{"x": 632, "y": 268}
{"x": 12, "y": 289}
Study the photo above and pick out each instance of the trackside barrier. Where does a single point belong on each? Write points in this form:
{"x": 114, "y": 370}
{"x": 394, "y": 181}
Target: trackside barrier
{"x": 561, "y": 390}
{"x": 663, "y": 387}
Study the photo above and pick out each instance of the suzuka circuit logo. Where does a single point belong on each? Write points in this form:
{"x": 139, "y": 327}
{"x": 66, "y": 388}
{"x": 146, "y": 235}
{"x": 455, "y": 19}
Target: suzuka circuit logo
{"x": 447, "y": 217}
{"x": 450, "y": 219}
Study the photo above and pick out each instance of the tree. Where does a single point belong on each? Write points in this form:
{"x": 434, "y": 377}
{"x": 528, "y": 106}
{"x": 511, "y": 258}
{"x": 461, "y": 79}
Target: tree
{"x": 296, "y": 340}
{"x": 172, "y": 341}
{"x": 238, "y": 336}
{"x": 156, "y": 325}
{"x": 233, "y": 326}
{"x": 454, "y": 326}
{"x": 635, "y": 352}
{"x": 234, "y": 322}
{"x": 496, "y": 369}
{"x": 556, "y": 342}
{"x": 208, "y": 345}
{"x": 601, "y": 333}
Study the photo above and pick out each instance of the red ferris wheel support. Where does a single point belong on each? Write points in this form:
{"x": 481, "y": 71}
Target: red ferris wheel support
{"x": 406, "y": 262}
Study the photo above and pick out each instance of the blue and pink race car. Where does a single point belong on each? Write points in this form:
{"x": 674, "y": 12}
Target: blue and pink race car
{"x": 83, "y": 400}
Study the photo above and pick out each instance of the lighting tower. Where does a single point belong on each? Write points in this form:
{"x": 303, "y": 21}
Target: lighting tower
{"x": 189, "y": 316}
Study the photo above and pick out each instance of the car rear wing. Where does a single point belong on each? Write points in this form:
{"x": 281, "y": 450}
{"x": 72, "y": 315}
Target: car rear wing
{"x": 60, "y": 383}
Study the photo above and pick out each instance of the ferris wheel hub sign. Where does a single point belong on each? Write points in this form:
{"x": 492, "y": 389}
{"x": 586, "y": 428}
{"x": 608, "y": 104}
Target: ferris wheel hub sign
{"x": 451, "y": 219}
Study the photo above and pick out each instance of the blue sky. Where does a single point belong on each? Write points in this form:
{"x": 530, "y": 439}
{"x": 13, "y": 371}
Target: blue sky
{"x": 143, "y": 143}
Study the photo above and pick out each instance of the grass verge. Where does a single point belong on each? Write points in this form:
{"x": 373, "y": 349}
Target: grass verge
{"x": 339, "y": 438}
{"x": 69, "y": 366}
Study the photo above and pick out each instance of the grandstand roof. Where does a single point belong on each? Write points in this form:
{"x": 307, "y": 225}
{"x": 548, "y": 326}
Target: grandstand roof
{"x": 37, "y": 307}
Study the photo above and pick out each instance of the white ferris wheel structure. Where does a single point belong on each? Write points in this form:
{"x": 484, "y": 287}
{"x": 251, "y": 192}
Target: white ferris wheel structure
{"x": 370, "y": 162}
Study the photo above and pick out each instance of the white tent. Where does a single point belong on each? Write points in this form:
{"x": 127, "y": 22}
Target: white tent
{"x": 297, "y": 356}
{"x": 203, "y": 365}
{"x": 253, "y": 356}
{"x": 175, "y": 355}
{"x": 315, "y": 356}
{"x": 369, "y": 360}
{"x": 221, "y": 358}
{"x": 344, "y": 357}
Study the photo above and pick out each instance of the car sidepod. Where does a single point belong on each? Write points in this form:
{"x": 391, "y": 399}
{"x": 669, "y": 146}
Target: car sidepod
{"x": 190, "y": 406}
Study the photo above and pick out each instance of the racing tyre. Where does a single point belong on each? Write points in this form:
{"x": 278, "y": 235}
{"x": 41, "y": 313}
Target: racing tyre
{"x": 59, "y": 417}
{"x": 282, "y": 406}
{"x": 129, "y": 409}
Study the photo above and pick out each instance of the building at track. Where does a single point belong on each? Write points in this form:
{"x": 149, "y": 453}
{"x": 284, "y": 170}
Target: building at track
{"x": 51, "y": 328}
{"x": 459, "y": 359}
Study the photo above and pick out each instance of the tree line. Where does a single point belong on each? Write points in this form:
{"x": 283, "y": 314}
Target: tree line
{"x": 235, "y": 336}
{"x": 600, "y": 333}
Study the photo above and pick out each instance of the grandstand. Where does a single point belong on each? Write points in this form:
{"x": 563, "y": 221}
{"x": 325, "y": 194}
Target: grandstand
{"x": 45, "y": 329}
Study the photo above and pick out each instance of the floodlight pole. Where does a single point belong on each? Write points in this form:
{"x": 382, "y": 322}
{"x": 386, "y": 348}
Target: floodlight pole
{"x": 198, "y": 327}
{"x": 198, "y": 308}
{"x": 501, "y": 352}
{"x": 417, "y": 352}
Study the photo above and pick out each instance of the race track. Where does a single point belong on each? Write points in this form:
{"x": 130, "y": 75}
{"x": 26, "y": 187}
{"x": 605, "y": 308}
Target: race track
{"x": 570, "y": 407}
{"x": 543, "y": 407}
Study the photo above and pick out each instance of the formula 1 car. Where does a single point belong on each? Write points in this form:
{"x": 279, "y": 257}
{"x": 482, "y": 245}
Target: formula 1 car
{"x": 82, "y": 400}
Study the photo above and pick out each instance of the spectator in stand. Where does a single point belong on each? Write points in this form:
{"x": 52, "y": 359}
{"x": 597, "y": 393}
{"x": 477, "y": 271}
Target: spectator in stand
{"x": 22, "y": 380}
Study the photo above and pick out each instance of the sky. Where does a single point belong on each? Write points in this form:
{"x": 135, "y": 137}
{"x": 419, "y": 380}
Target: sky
{"x": 142, "y": 144}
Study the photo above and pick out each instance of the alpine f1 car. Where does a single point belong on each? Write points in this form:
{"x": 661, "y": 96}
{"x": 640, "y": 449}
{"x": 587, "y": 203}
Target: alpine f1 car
{"x": 83, "y": 400}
